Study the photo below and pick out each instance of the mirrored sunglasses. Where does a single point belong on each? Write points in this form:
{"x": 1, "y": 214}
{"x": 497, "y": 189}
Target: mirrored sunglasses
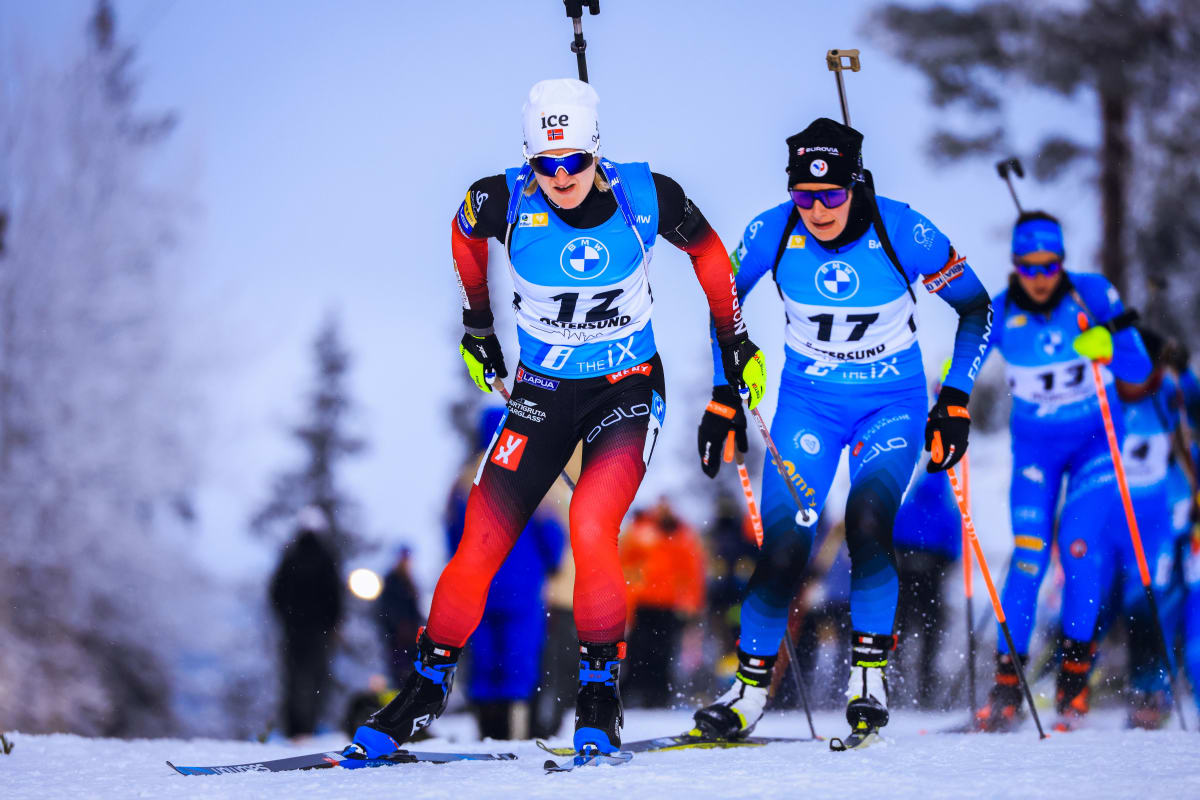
{"x": 830, "y": 198}
{"x": 573, "y": 163}
{"x": 1030, "y": 270}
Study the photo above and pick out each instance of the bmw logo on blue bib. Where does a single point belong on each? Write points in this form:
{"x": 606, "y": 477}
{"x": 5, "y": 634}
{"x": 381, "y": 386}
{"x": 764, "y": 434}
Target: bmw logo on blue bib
{"x": 584, "y": 258}
{"x": 836, "y": 280}
{"x": 1050, "y": 341}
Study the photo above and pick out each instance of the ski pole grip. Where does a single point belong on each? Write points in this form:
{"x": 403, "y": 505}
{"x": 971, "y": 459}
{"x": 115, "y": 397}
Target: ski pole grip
{"x": 839, "y": 60}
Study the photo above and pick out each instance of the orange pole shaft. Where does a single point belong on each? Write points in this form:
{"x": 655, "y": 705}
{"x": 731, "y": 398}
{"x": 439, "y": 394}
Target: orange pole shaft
{"x": 969, "y": 529}
{"x": 960, "y": 496}
{"x": 1114, "y": 450}
{"x": 968, "y": 566}
{"x": 751, "y": 505}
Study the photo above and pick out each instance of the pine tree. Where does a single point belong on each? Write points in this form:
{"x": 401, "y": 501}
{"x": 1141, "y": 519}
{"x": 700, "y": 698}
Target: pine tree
{"x": 1137, "y": 59}
{"x": 326, "y": 443}
{"x": 94, "y": 456}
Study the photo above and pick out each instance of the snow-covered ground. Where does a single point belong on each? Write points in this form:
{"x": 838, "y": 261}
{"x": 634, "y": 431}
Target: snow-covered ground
{"x": 1100, "y": 762}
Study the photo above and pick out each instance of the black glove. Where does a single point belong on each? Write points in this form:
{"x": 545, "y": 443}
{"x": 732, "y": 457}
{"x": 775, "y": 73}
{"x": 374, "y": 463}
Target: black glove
{"x": 745, "y": 366}
{"x": 946, "y": 429}
{"x": 723, "y": 414}
{"x": 482, "y": 354}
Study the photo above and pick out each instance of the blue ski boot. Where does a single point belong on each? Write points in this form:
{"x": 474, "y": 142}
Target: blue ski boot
{"x": 419, "y": 702}
{"x": 598, "y": 716}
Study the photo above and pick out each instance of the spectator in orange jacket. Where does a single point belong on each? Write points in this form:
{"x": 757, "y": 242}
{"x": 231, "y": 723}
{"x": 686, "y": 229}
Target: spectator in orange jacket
{"x": 664, "y": 565}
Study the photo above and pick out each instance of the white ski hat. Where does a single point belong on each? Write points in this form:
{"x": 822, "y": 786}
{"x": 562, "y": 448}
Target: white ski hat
{"x": 561, "y": 113}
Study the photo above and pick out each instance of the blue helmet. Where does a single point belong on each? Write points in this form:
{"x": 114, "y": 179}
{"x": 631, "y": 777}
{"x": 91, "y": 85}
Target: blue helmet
{"x": 1037, "y": 231}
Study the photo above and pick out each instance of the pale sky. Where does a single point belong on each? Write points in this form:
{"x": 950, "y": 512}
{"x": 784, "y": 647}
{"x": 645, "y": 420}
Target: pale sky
{"x": 330, "y": 143}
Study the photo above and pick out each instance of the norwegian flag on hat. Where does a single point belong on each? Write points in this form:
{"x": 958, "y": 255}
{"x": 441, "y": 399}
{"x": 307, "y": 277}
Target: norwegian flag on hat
{"x": 554, "y": 134}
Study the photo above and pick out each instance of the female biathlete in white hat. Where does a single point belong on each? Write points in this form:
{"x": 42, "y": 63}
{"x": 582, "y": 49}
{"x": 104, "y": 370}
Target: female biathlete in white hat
{"x": 578, "y": 230}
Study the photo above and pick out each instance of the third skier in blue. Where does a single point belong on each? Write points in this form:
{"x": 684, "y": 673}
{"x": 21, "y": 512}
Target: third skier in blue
{"x": 1058, "y": 434}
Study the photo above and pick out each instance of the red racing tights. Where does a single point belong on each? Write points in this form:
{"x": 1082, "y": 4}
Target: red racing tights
{"x": 618, "y": 418}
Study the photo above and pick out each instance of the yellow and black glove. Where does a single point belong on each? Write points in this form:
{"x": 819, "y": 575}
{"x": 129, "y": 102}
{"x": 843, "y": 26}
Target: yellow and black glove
{"x": 745, "y": 367}
{"x": 483, "y": 355}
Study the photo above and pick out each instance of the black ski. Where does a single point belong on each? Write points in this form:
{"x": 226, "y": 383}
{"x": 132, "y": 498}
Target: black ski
{"x": 336, "y": 759}
{"x": 685, "y": 741}
{"x": 864, "y": 735}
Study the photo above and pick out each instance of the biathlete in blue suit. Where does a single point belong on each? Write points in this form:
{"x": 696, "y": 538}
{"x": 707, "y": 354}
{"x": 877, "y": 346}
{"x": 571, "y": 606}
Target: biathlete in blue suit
{"x": 1057, "y": 432}
{"x": 843, "y": 261}
{"x": 1152, "y": 420}
{"x": 1185, "y": 514}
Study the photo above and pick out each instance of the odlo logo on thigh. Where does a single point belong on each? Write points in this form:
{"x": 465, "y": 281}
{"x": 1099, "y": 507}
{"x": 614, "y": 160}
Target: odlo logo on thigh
{"x": 508, "y": 450}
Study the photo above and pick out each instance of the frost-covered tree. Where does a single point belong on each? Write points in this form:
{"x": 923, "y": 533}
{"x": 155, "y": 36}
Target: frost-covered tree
{"x": 1134, "y": 62}
{"x": 93, "y": 464}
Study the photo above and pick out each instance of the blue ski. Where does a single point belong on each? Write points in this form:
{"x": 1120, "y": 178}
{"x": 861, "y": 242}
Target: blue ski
{"x": 589, "y": 759}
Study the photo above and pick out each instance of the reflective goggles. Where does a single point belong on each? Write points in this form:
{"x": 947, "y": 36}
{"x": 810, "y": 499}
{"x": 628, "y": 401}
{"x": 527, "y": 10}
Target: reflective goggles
{"x": 1030, "y": 270}
{"x": 573, "y": 163}
{"x": 830, "y": 198}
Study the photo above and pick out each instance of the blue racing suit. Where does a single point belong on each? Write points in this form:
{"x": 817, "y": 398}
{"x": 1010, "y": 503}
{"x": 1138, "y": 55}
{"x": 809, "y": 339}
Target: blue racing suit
{"x": 1057, "y": 433}
{"x": 1187, "y": 534}
{"x": 1150, "y": 424}
{"x": 853, "y": 378}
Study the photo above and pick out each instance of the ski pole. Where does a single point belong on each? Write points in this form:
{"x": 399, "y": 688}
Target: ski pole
{"x": 807, "y": 516}
{"x": 969, "y": 589}
{"x": 499, "y": 386}
{"x": 1135, "y": 535}
{"x": 960, "y": 676}
{"x": 579, "y": 44}
{"x": 794, "y": 663}
{"x": 732, "y": 453}
{"x": 1004, "y": 168}
{"x": 969, "y": 527}
{"x": 838, "y": 61}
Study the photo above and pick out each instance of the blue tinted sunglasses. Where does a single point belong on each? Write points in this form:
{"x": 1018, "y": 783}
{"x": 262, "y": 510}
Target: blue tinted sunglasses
{"x": 1030, "y": 270}
{"x": 830, "y": 198}
{"x": 573, "y": 163}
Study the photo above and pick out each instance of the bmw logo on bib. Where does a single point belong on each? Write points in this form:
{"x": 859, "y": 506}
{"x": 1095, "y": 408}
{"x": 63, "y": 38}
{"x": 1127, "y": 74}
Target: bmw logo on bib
{"x": 1050, "y": 341}
{"x": 584, "y": 258}
{"x": 836, "y": 280}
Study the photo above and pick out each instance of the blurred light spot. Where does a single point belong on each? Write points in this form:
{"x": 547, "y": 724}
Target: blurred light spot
{"x": 365, "y": 584}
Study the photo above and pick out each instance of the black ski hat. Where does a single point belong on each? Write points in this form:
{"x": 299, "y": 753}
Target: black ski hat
{"x": 825, "y": 152}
